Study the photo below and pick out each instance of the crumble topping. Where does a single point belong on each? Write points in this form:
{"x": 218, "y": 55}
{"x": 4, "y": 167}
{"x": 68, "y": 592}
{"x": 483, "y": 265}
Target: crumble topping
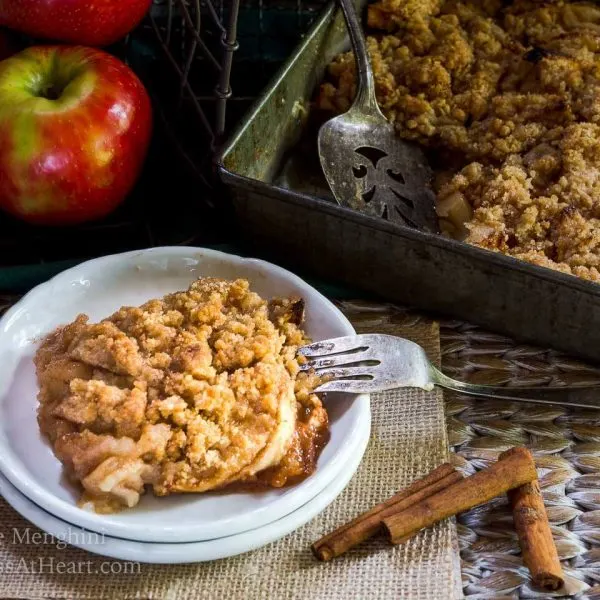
{"x": 188, "y": 393}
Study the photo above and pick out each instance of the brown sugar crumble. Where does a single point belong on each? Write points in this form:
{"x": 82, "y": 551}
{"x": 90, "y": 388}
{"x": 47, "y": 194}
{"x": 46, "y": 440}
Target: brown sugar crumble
{"x": 511, "y": 92}
{"x": 192, "y": 392}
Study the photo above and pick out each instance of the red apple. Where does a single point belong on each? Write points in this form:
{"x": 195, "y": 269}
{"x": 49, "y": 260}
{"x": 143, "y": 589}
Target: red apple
{"x": 75, "y": 123}
{"x": 88, "y": 22}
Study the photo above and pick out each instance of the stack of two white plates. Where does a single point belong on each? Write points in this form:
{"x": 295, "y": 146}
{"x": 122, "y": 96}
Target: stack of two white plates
{"x": 178, "y": 528}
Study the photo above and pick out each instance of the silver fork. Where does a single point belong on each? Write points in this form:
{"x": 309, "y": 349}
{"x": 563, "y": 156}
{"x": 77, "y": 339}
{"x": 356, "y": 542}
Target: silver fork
{"x": 376, "y": 362}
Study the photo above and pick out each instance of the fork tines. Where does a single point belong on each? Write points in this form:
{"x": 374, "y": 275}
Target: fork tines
{"x": 344, "y": 358}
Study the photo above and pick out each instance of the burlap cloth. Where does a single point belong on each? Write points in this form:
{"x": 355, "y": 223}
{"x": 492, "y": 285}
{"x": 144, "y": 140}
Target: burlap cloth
{"x": 408, "y": 439}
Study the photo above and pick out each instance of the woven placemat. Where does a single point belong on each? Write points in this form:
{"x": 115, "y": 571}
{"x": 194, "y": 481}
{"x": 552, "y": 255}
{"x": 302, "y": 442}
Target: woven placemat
{"x": 566, "y": 445}
{"x": 408, "y": 439}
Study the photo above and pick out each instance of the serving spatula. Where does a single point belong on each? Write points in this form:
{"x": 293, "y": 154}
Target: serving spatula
{"x": 368, "y": 167}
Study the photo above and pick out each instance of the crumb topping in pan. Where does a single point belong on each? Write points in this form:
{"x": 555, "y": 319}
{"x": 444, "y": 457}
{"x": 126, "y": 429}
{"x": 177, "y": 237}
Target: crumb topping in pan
{"x": 507, "y": 97}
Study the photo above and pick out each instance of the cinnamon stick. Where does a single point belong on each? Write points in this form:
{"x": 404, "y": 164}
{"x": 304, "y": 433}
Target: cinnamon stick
{"x": 535, "y": 537}
{"x": 516, "y": 469}
{"x": 366, "y": 525}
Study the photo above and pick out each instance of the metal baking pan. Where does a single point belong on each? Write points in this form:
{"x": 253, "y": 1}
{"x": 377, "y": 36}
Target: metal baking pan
{"x": 280, "y": 210}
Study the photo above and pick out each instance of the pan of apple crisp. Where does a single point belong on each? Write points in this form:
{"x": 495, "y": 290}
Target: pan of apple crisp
{"x": 504, "y": 96}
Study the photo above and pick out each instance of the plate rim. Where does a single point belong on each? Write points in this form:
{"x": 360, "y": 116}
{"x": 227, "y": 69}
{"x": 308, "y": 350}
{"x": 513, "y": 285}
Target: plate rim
{"x": 14, "y": 469}
{"x": 188, "y": 552}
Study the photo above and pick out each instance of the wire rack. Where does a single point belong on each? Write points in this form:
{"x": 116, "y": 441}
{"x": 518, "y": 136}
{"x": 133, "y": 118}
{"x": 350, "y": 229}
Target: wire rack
{"x": 203, "y": 63}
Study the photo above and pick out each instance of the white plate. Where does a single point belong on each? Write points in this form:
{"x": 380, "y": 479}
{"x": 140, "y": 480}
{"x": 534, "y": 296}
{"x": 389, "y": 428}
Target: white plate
{"x": 185, "y": 552}
{"x": 98, "y": 288}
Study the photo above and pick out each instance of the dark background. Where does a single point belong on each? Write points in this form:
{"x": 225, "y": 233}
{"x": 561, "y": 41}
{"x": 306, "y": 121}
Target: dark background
{"x": 177, "y": 200}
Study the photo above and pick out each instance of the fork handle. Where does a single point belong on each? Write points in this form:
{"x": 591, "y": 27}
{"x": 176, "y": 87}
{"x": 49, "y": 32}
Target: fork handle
{"x": 581, "y": 397}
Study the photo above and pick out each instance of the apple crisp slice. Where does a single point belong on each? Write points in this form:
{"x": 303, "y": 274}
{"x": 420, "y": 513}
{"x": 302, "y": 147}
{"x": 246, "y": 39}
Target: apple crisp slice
{"x": 188, "y": 393}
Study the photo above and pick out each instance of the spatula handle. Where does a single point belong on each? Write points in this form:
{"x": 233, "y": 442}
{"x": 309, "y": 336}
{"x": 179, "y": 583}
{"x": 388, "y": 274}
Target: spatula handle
{"x": 365, "y": 95}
